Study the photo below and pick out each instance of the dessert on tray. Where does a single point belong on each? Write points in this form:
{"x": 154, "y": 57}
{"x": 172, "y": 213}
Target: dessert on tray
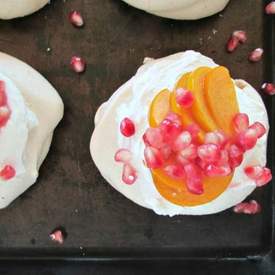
{"x": 182, "y": 137}
{"x": 30, "y": 109}
{"x": 180, "y": 9}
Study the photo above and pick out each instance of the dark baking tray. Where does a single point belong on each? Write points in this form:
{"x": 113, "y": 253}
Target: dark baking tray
{"x": 100, "y": 222}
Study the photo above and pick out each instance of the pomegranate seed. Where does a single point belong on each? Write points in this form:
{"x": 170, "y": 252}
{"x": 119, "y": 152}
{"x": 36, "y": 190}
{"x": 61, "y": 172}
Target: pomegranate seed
{"x": 248, "y": 139}
{"x": 240, "y": 122}
{"x": 215, "y": 137}
{"x": 235, "y": 155}
{"x": 127, "y": 127}
{"x": 193, "y": 179}
{"x": 212, "y": 170}
{"x": 153, "y": 137}
{"x": 194, "y": 130}
{"x": 209, "y": 153}
{"x": 184, "y": 98}
{"x": 259, "y": 127}
{"x": 187, "y": 154}
{"x": 265, "y": 178}
{"x": 153, "y": 157}
{"x": 240, "y": 35}
{"x": 3, "y": 95}
{"x": 261, "y": 175}
{"x": 129, "y": 174}
{"x": 182, "y": 141}
{"x": 7, "y": 173}
{"x": 250, "y": 208}
{"x": 174, "y": 171}
{"x": 4, "y": 115}
{"x": 270, "y": 8}
{"x": 232, "y": 44}
{"x": 224, "y": 158}
{"x": 76, "y": 19}
{"x": 78, "y": 64}
{"x": 256, "y": 55}
{"x": 166, "y": 151}
{"x": 57, "y": 236}
{"x": 174, "y": 118}
{"x": 269, "y": 88}
{"x": 123, "y": 155}
{"x": 170, "y": 130}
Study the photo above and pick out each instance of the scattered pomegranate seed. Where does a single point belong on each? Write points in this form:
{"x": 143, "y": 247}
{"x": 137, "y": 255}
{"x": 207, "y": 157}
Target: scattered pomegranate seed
{"x": 3, "y": 95}
{"x": 129, "y": 174}
{"x": 240, "y": 35}
{"x": 166, "y": 151}
{"x": 209, "y": 153}
{"x": 248, "y": 139}
{"x": 212, "y": 170}
{"x": 216, "y": 137}
{"x": 182, "y": 141}
{"x": 259, "y": 127}
{"x": 261, "y": 175}
{"x": 127, "y": 127}
{"x": 153, "y": 137}
{"x": 174, "y": 118}
{"x": 270, "y": 8}
{"x": 187, "y": 154}
{"x": 250, "y": 208}
{"x": 78, "y": 64}
{"x": 174, "y": 171}
{"x": 193, "y": 129}
{"x": 5, "y": 114}
{"x": 193, "y": 179}
{"x": 240, "y": 122}
{"x": 153, "y": 157}
{"x": 123, "y": 155}
{"x": 7, "y": 173}
{"x": 224, "y": 158}
{"x": 170, "y": 130}
{"x": 256, "y": 55}
{"x": 57, "y": 236}
{"x": 235, "y": 155}
{"x": 232, "y": 44}
{"x": 265, "y": 178}
{"x": 76, "y": 19}
{"x": 269, "y": 88}
{"x": 184, "y": 98}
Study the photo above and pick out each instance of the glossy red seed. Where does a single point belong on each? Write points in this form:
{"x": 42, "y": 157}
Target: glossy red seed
{"x": 153, "y": 157}
{"x": 184, "y": 98}
{"x": 250, "y": 208}
{"x": 209, "y": 153}
{"x": 78, "y": 64}
{"x": 170, "y": 130}
{"x": 174, "y": 118}
{"x": 174, "y": 171}
{"x": 57, "y": 236}
{"x": 213, "y": 170}
{"x": 235, "y": 154}
{"x": 259, "y": 127}
{"x": 187, "y": 155}
{"x": 240, "y": 35}
{"x": 76, "y": 19}
{"x": 194, "y": 130}
{"x": 224, "y": 158}
{"x": 232, "y": 44}
{"x": 3, "y": 95}
{"x": 123, "y": 155}
{"x": 254, "y": 172}
{"x": 153, "y": 137}
{"x": 193, "y": 179}
{"x": 129, "y": 174}
{"x": 270, "y": 8}
{"x": 7, "y": 173}
{"x": 240, "y": 122}
{"x": 216, "y": 137}
{"x": 265, "y": 178}
{"x": 248, "y": 139}
{"x": 5, "y": 114}
{"x": 183, "y": 140}
{"x": 127, "y": 127}
{"x": 268, "y": 88}
{"x": 166, "y": 151}
{"x": 256, "y": 55}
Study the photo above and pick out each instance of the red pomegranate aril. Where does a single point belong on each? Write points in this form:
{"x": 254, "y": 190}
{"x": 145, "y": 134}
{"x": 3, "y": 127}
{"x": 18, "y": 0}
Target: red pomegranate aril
{"x": 166, "y": 151}
{"x": 240, "y": 35}
{"x": 174, "y": 171}
{"x": 4, "y": 115}
{"x": 182, "y": 141}
{"x": 259, "y": 127}
{"x": 184, "y": 98}
{"x": 232, "y": 44}
{"x": 224, "y": 158}
{"x": 3, "y": 95}
{"x": 209, "y": 153}
{"x": 235, "y": 155}
{"x": 193, "y": 129}
{"x": 153, "y": 157}
{"x": 57, "y": 236}
{"x": 215, "y": 137}
{"x": 256, "y": 55}
{"x": 248, "y": 139}
{"x": 193, "y": 179}
{"x": 78, "y": 64}
{"x": 123, "y": 155}
{"x": 127, "y": 127}
{"x": 240, "y": 122}
{"x": 153, "y": 137}
{"x": 265, "y": 178}
{"x": 268, "y": 88}
{"x": 250, "y": 208}
{"x": 254, "y": 172}
{"x": 187, "y": 154}
{"x": 76, "y": 19}
{"x": 212, "y": 170}
{"x": 170, "y": 130}
{"x": 129, "y": 174}
{"x": 174, "y": 118}
{"x": 270, "y": 8}
{"x": 7, "y": 173}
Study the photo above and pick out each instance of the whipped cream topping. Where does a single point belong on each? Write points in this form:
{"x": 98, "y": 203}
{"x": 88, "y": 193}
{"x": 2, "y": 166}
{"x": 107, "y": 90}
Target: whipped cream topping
{"x": 133, "y": 100}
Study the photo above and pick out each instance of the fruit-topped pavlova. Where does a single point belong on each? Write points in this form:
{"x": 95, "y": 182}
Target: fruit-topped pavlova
{"x": 182, "y": 137}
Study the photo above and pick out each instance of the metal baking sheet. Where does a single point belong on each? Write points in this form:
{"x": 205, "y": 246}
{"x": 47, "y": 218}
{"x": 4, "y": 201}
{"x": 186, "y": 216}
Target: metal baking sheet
{"x": 70, "y": 192}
